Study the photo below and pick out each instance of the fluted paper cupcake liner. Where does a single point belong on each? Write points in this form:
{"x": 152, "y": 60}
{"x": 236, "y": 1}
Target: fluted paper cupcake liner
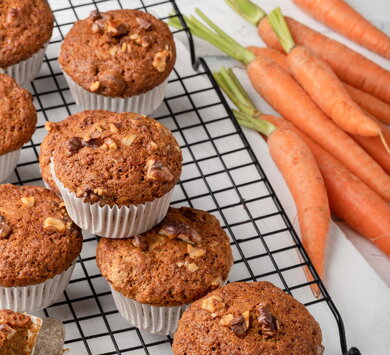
{"x": 115, "y": 221}
{"x": 143, "y": 104}
{"x": 156, "y": 320}
{"x": 35, "y": 297}
{"x": 26, "y": 70}
{"x": 8, "y": 163}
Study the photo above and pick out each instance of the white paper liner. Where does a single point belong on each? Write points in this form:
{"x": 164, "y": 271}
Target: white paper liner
{"x": 35, "y": 297}
{"x": 143, "y": 104}
{"x": 26, "y": 70}
{"x": 156, "y": 320}
{"x": 113, "y": 222}
{"x": 8, "y": 163}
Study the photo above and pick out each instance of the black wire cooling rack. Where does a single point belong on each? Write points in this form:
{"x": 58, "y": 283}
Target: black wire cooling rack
{"x": 220, "y": 174}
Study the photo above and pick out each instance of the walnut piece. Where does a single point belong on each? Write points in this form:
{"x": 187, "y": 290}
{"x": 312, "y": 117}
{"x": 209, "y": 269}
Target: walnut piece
{"x": 113, "y": 128}
{"x": 246, "y": 318}
{"x": 238, "y": 326}
{"x": 144, "y": 23}
{"x": 141, "y": 242}
{"x": 320, "y": 350}
{"x": 217, "y": 282}
{"x": 195, "y": 252}
{"x": 115, "y": 28}
{"x": 95, "y": 86}
{"x": 129, "y": 140}
{"x": 226, "y": 320}
{"x": 269, "y": 324}
{"x": 28, "y": 201}
{"x": 155, "y": 170}
{"x": 99, "y": 192}
{"x": 180, "y": 231}
{"x": 190, "y": 266}
{"x": 6, "y": 330}
{"x": 5, "y": 228}
{"x": 51, "y": 222}
{"x": 160, "y": 60}
{"x": 74, "y": 145}
{"x": 212, "y": 304}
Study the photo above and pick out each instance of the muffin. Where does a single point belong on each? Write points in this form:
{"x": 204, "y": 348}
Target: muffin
{"x": 18, "y": 332}
{"x": 115, "y": 171}
{"x": 154, "y": 275}
{"x": 25, "y": 29}
{"x": 118, "y": 60}
{"x": 39, "y": 245}
{"x": 248, "y": 319}
{"x": 17, "y": 122}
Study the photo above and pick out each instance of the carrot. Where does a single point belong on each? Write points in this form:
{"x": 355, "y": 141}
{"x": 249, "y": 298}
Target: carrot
{"x": 291, "y": 101}
{"x": 350, "y": 66}
{"x": 270, "y": 53}
{"x": 297, "y": 165}
{"x": 322, "y": 84}
{"x": 349, "y": 197}
{"x": 371, "y": 104}
{"x": 342, "y": 18}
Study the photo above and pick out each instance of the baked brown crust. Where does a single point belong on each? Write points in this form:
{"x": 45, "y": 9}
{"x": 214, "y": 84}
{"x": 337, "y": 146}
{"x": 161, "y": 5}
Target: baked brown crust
{"x": 25, "y": 26}
{"x": 38, "y": 240}
{"x": 157, "y": 269}
{"x": 18, "y": 116}
{"x": 118, "y": 53}
{"x": 276, "y": 324}
{"x": 116, "y": 158}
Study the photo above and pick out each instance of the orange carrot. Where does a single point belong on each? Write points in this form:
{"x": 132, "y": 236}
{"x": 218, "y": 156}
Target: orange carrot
{"x": 350, "y": 66}
{"x": 371, "y": 104}
{"x": 270, "y": 53}
{"x": 299, "y": 168}
{"x": 349, "y": 198}
{"x": 322, "y": 84}
{"x": 342, "y": 18}
{"x": 288, "y": 98}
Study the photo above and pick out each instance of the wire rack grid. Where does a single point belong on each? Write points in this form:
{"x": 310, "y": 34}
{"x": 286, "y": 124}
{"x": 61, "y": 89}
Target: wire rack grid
{"x": 220, "y": 175}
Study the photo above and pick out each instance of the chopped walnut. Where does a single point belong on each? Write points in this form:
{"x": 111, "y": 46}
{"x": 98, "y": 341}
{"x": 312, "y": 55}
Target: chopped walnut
{"x": 195, "y": 252}
{"x": 98, "y": 26}
{"x": 238, "y": 326}
{"x": 116, "y": 29}
{"x": 93, "y": 142}
{"x": 28, "y": 201}
{"x": 246, "y": 318}
{"x": 62, "y": 204}
{"x": 6, "y": 330}
{"x": 88, "y": 194}
{"x": 320, "y": 349}
{"x": 217, "y": 281}
{"x": 212, "y": 304}
{"x": 95, "y": 15}
{"x": 269, "y": 324}
{"x": 49, "y": 126}
{"x": 180, "y": 231}
{"x": 74, "y": 145}
{"x": 5, "y": 228}
{"x": 51, "y": 222}
{"x": 226, "y": 320}
{"x": 141, "y": 242}
{"x": 99, "y": 192}
{"x": 190, "y": 266}
{"x": 94, "y": 86}
{"x": 155, "y": 170}
{"x": 113, "y": 51}
{"x": 129, "y": 140}
{"x": 113, "y": 128}
{"x": 153, "y": 145}
{"x": 134, "y": 36}
{"x": 144, "y": 23}
{"x": 177, "y": 148}
{"x": 111, "y": 144}
{"x": 160, "y": 60}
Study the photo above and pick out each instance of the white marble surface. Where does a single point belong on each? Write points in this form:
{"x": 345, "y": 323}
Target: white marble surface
{"x": 351, "y": 279}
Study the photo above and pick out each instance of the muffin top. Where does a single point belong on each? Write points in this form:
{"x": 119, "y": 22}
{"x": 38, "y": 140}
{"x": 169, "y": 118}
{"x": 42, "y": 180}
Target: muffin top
{"x": 180, "y": 260}
{"x": 118, "y": 53}
{"x": 248, "y": 319}
{"x": 17, "y": 115}
{"x": 38, "y": 240}
{"x": 116, "y": 158}
{"x": 25, "y": 26}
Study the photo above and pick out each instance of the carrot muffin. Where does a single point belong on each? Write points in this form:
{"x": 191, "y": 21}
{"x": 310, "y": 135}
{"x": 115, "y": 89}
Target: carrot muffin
{"x": 18, "y": 332}
{"x": 248, "y": 319}
{"x": 38, "y": 247}
{"x": 177, "y": 262}
{"x": 17, "y": 123}
{"x": 118, "y": 54}
{"x": 120, "y": 167}
{"x": 25, "y": 28}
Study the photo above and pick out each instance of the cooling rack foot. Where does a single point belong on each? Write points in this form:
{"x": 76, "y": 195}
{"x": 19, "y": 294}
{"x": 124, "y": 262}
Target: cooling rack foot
{"x": 353, "y": 351}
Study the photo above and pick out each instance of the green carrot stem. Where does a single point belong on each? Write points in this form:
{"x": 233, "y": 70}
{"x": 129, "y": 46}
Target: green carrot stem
{"x": 248, "y": 10}
{"x": 257, "y": 124}
{"x": 215, "y": 36}
{"x": 279, "y": 25}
